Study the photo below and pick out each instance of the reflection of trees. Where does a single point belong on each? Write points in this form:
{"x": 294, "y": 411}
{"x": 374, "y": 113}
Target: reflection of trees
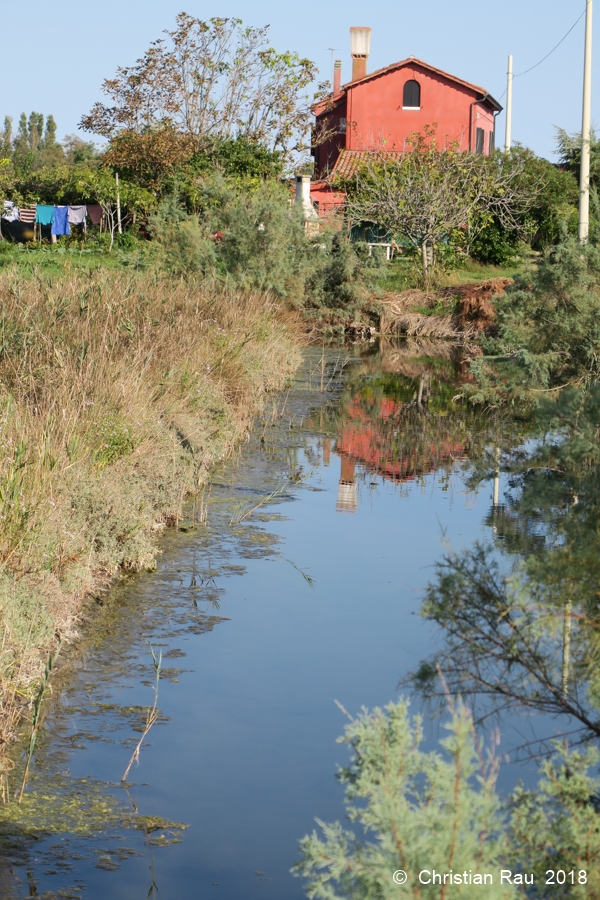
{"x": 521, "y": 618}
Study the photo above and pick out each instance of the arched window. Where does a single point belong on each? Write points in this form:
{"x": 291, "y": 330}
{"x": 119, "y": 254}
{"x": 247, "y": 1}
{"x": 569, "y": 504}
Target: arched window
{"x": 411, "y": 98}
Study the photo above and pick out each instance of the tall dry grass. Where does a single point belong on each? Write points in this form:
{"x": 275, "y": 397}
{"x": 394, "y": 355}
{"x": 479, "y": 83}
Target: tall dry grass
{"x": 117, "y": 394}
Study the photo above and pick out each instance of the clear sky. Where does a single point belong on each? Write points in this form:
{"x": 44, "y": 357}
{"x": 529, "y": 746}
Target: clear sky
{"x": 57, "y": 54}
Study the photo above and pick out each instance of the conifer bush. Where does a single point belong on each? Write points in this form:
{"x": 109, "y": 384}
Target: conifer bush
{"x": 420, "y": 812}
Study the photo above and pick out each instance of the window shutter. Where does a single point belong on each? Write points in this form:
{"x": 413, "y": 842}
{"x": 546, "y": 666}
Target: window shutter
{"x": 411, "y": 96}
{"x": 479, "y": 140}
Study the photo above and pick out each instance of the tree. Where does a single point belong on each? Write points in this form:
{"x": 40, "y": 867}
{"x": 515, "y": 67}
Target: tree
{"x": 22, "y": 138}
{"x": 548, "y": 333}
{"x": 208, "y": 81}
{"x": 50, "y": 133}
{"x": 427, "y": 195}
{"x": 79, "y": 151}
{"x": 36, "y": 130}
{"x": 150, "y": 157}
{"x": 569, "y": 152}
{"x": 239, "y": 158}
{"x": 6, "y": 138}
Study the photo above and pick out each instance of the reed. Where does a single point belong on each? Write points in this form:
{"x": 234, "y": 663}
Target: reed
{"x": 152, "y": 714}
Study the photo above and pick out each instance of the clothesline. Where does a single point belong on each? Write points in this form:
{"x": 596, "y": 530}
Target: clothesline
{"x": 60, "y": 218}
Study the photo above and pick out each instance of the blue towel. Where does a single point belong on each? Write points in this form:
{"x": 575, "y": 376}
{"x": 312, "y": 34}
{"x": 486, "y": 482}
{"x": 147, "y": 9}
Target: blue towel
{"x": 60, "y": 223}
{"x": 44, "y": 215}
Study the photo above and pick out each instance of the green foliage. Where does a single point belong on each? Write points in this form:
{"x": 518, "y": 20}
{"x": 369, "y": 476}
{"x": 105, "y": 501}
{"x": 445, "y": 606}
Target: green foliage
{"x": 50, "y": 134}
{"x": 264, "y": 243}
{"x": 239, "y": 158}
{"x": 423, "y": 811}
{"x": 184, "y": 248}
{"x": 555, "y": 211}
{"x": 345, "y": 274}
{"x": 78, "y": 151}
{"x": 569, "y": 151}
{"x": 548, "y": 331}
{"x": 556, "y": 826}
{"x": 495, "y": 245}
{"x": 429, "y": 811}
{"x": 74, "y": 184}
{"x": 248, "y": 233}
{"x": 420, "y": 811}
{"x": 113, "y": 439}
{"x": 550, "y": 214}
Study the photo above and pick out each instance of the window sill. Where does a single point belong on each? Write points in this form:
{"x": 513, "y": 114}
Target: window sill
{"x": 411, "y": 107}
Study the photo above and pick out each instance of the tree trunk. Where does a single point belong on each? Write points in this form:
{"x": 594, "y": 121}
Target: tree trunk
{"x": 425, "y": 257}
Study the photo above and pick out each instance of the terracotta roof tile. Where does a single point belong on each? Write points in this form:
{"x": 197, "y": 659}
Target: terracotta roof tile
{"x": 346, "y": 163}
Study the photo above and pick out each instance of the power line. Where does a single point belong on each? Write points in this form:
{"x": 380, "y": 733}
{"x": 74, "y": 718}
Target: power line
{"x": 544, "y": 58}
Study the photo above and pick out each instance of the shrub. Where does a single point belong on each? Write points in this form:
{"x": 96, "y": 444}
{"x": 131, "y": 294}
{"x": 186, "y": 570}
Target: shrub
{"x": 425, "y": 811}
{"x": 548, "y": 331}
{"x": 420, "y": 811}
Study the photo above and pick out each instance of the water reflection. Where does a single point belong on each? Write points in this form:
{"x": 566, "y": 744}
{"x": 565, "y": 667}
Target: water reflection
{"x": 520, "y": 615}
{"x": 399, "y": 418}
{"x": 346, "y": 496}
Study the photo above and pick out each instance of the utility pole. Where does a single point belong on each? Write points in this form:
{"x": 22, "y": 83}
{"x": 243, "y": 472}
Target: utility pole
{"x": 584, "y": 182}
{"x": 509, "y": 82}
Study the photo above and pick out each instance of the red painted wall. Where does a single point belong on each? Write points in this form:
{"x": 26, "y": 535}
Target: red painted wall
{"x": 376, "y": 119}
{"x": 327, "y": 152}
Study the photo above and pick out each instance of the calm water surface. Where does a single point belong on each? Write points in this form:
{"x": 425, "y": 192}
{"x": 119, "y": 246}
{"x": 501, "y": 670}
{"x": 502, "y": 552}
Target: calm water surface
{"x": 262, "y": 625}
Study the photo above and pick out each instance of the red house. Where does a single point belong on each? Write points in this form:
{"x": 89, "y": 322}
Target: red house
{"x": 381, "y": 110}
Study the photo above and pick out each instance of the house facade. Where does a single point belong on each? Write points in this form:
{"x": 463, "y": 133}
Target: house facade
{"x": 381, "y": 110}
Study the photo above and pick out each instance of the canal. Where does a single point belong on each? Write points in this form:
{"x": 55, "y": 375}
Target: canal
{"x": 295, "y": 581}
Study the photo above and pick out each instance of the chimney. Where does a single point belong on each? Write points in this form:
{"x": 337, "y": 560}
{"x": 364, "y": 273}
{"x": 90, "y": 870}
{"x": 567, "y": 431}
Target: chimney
{"x": 360, "y": 45}
{"x": 303, "y": 196}
{"x": 337, "y": 77}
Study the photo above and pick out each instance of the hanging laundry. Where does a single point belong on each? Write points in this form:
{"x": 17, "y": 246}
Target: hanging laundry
{"x": 11, "y": 212}
{"x": 77, "y": 216}
{"x": 27, "y": 214}
{"x": 95, "y": 214}
{"x": 60, "y": 223}
{"x": 44, "y": 215}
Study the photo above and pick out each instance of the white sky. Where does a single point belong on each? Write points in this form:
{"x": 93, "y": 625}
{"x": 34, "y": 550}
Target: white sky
{"x": 56, "y": 55}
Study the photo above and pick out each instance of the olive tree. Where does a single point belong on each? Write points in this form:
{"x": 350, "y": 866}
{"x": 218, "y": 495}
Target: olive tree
{"x": 425, "y": 194}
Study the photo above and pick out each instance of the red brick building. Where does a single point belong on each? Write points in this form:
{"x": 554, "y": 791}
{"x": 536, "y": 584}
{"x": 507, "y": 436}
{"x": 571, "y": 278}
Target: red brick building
{"x": 381, "y": 110}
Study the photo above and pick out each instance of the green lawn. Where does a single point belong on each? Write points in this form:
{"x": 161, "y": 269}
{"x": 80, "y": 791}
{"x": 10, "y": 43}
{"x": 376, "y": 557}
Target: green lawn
{"x": 402, "y": 273}
{"x": 55, "y": 259}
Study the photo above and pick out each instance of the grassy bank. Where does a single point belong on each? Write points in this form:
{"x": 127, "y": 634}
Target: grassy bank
{"x": 118, "y": 390}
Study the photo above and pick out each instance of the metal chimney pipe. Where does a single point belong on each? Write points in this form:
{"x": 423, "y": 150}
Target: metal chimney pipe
{"x": 360, "y": 46}
{"x": 337, "y": 77}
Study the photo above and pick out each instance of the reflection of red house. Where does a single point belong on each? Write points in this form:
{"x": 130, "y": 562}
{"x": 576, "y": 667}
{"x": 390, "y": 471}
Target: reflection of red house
{"x": 380, "y": 111}
{"x": 367, "y": 439}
